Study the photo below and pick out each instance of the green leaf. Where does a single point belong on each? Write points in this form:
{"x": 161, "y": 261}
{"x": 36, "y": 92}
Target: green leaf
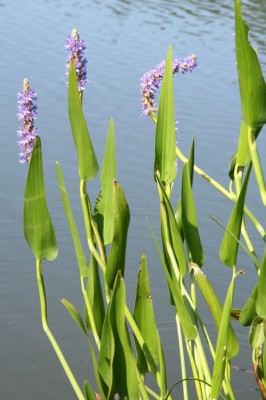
{"x": 163, "y": 382}
{"x": 117, "y": 362}
{"x": 189, "y": 329}
{"x": 38, "y": 227}
{"x": 75, "y": 315}
{"x": 261, "y": 294}
{"x": 104, "y": 203}
{"x": 248, "y": 312}
{"x": 95, "y": 294}
{"x": 80, "y": 255}
{"x": 165, "y": 138}
{"x": 189, "y": 219}
{"x": 144, "y": 317}
{"x": 88, "y": 165}
{"x": 117, "y": 255}
{"x": 243, "y": 151}
{"x": 256, "y": 334}
{"x": 251, "y": 81}
{"x": 215, "y": 308}
{"x": 229, "y": 246}
{"x": 88, "y": 391}
{"x": 171, "y": 230}
{"x": 222, "y": 343}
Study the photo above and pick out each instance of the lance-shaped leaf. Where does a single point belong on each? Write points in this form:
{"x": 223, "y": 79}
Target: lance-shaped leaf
{"x": 222, "y": 343}
{"x": 243, "y": 151}
{"x": 229, "y": 246}
{"x": 257, "y": 333}
{"x": 116, "y": 363}
{"x": 95, "y": 294}
{"x": 183, "y": 312}
{"x": 215, "y": 308}
{"x": 165, "y": 138}
{"x": 80, "y": 255}
{"x": 248, "y": 312}
{"x": 104, "y": 203}
{"x": 117, "y": 255}
{"x": 75, "y": 315}
{"x": 251, "y": 81}
{"x": 261, "y": 294}
{"x": 88, "y": 165}
{"x": 38, "y": 227}
{"x": 189, "y": 219}
{"x": 144, "y": 317}
{"x": 173, "y": 233}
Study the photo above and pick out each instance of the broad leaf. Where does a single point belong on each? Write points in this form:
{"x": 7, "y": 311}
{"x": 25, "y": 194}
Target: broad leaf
{"x": 256, "y": 334}
{"x": 165, "y": 138}
{"x": 248, "y": 312}
{"x": 38, "y": 227}
{"x": 88, "y": 165}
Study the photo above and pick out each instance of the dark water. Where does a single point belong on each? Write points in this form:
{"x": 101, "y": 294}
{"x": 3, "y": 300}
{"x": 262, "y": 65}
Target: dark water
{"x": 125, "y": 39}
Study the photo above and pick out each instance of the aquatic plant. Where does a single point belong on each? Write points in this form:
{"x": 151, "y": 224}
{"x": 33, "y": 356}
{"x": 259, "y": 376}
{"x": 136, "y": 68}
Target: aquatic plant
{"x": 120, "y": 367}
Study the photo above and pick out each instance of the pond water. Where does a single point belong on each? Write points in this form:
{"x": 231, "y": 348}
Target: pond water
{"x": 125, "y": 39}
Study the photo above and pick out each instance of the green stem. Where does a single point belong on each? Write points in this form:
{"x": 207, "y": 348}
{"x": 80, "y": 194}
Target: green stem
{"x": 226, "y": 193}
{"x": 256, "y": 165}
{"x": 182, "y": 358}
{"x": 49, "y": 334}
{"x": 90, "y": 314}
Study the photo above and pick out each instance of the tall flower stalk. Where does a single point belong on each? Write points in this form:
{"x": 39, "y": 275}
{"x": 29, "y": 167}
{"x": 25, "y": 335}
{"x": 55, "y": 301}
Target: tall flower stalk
{"x": 77, "y": 48}
{"x": 152, "y": 79}
{"x": 27, "y": 112}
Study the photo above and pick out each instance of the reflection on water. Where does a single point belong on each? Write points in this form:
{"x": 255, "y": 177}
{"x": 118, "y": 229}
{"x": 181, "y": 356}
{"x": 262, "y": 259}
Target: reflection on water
{"x": 125, "y": 39}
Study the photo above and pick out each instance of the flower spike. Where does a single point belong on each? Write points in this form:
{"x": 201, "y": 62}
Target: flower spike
{"x": 77, "y": 48}
{"x": 152, "y": 79}
{"x": 27, "y": 112}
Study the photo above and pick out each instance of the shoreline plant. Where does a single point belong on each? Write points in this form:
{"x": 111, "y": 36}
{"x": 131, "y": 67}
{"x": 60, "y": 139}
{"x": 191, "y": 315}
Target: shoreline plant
{"x": 125, "y": 346}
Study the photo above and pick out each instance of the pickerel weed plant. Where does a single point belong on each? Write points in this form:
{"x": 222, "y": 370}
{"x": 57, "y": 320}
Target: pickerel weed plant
{"x": 125, "y": 345}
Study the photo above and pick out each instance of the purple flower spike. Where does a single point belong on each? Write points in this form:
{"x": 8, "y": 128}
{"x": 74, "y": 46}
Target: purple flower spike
{"x": 152, "y": 79}
{"x": 27, "y": 112}
{"x": 77, "y": 48}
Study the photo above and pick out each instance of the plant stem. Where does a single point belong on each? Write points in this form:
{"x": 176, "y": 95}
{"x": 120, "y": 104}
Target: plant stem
{"x": 49, "y": 334}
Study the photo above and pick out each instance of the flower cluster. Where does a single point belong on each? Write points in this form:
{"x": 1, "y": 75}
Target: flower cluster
{"x": 77, "y": 48}
{"x": 152, "y": 79}
{"x": 27, "y": 112}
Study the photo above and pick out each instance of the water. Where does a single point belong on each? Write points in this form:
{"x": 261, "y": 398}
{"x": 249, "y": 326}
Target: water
{"x": 125, "y": 39}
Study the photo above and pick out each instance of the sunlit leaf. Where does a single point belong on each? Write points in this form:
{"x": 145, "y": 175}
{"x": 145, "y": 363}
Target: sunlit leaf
{"x": 222, "y": 343}
{"x": 261, "y": 294}
{"x": 229, "y": 246}
{"x": 144, "y": 317}
{"x": 215, "y": 308}
{"x": 80, "y": 255}
{"x": 104, "y": 203}
{"x": 165, "y": 138}
{"x": 256, "y": 334}
{"x": 248, "y": 312}
{"x": 251, "y": 81}
{"x": 118, "y": 362}
{"x": 189, "y": 219}
{"x": 75, "y": 315}
{"x": 38, "y": 227}
{"x": 88, "y": 165}
{"x": 117, "y": 255}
